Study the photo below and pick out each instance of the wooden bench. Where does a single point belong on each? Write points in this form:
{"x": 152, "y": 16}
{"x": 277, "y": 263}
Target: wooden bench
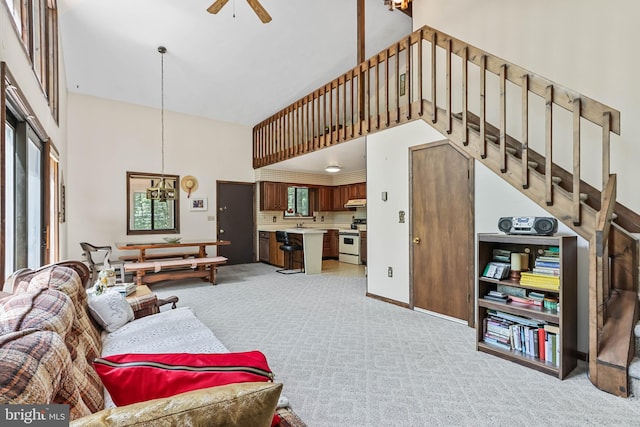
{"x": 175, "y": 269}
{"x": 160, "y": 255}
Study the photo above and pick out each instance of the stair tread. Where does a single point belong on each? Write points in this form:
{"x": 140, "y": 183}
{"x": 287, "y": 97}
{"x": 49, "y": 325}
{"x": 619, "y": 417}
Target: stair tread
{"x": 616, "y": 334}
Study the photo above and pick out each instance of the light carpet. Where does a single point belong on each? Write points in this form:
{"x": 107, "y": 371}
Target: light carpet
{"x": 349, "y": 360}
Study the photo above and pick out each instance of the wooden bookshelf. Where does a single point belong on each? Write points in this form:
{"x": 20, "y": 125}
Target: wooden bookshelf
{"x": 564, "y": 316}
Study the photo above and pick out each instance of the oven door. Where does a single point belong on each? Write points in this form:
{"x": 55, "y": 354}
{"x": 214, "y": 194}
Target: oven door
{"x": 349, "y": 248}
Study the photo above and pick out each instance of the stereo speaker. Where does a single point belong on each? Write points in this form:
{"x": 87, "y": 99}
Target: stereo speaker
{"x": 532, "y": 225}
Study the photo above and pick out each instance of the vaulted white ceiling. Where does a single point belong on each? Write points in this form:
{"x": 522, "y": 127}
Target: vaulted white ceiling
{"x": 224, "y": 67}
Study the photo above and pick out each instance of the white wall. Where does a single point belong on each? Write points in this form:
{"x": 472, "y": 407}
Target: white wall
{"x": 387, "y": 239}
{"x": 108, "y": 138}
{"x": 585, "y": 45}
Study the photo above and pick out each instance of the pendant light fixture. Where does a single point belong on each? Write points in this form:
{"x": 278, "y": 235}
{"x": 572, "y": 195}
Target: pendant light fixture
{"x": 163, "y": 190}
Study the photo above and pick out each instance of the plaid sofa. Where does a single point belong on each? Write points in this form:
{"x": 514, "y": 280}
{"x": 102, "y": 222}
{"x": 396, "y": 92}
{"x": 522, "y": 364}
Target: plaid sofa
{"x": 48, "y": 342}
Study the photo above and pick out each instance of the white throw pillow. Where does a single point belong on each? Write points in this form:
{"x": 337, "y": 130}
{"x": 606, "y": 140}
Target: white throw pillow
{"x": 110, "y": 309}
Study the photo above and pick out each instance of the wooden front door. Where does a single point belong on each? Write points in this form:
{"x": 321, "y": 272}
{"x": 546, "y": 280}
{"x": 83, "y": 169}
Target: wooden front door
{"x": 442, "y": 231}
{"x": 236, "y": 221}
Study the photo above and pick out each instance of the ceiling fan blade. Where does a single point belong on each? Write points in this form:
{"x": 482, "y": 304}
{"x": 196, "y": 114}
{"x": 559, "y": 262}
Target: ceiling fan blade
{"x": 260, "y": 11}
{"x": 216, "y": 6}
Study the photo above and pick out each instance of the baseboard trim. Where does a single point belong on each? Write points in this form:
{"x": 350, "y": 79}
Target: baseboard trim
{"x": 388, "y": 300}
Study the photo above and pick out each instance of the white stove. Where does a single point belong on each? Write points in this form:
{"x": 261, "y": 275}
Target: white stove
{"x": 349, "y": 248}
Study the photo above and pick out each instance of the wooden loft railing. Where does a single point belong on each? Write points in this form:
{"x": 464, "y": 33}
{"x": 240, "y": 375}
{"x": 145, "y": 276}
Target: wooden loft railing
{"x": 479, "y": 101}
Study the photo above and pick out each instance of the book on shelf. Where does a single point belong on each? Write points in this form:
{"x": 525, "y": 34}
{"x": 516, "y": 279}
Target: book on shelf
{"x": 497, "y": 297}
{"x": 514, "y": 318}
{"x": 497, "y": 270}
{"x": 512, "y": 291}
{"x": 541, "y": 344}
{"x": 549, "y": 264}
{"x": 546, "y": 271}
{"x": 526, "y": 300}
{"x": 501, "y": 255}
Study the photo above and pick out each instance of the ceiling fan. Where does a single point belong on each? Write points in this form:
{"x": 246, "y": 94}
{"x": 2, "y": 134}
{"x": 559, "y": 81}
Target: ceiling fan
{"x": 255, "y": 5}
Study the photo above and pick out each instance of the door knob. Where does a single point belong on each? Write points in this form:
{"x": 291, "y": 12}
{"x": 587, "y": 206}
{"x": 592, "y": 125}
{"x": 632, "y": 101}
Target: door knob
{"x": 416, "y": 240}
{"x": 221, "y": 231}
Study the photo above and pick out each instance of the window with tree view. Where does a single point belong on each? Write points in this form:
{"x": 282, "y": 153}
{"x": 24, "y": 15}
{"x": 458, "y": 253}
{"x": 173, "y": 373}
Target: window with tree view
{"x": 148, "y": 216}
{"x": 297, "y": 201}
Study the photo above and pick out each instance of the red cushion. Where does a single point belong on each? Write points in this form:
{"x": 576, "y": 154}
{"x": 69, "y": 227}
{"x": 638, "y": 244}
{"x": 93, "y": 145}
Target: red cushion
{"x": 132, "y": 378}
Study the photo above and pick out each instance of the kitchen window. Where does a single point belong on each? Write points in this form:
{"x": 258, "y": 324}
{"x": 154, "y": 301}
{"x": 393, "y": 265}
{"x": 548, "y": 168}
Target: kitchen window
{"x": 297, "y": 202}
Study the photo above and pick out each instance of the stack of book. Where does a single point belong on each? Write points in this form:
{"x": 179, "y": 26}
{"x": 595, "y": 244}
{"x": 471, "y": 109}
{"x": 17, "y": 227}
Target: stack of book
{"x": 124, "y": 288}
{"x": 528, "y": 336}
{"x": 497, "y": 296}
{"x": 546, "y": 271}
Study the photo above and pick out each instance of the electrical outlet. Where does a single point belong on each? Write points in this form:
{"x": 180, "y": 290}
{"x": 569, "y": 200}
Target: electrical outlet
{"x": 390, "y": 272}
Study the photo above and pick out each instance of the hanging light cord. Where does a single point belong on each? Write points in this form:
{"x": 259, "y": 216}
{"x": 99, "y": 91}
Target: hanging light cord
{"x": 162, "y": 51}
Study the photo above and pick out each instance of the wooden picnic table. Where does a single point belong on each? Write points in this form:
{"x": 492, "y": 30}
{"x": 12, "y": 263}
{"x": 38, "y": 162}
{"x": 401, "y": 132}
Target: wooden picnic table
{"x": 144, "y": 246}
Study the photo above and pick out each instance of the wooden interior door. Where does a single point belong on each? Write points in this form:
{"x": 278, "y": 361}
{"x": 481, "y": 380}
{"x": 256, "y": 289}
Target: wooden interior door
{"x": 236, "y": 221}
{"x": 442, "y": 231}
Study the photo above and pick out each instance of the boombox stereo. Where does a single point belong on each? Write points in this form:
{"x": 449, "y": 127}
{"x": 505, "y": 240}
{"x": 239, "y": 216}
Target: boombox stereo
{"x": 540, "y": 226}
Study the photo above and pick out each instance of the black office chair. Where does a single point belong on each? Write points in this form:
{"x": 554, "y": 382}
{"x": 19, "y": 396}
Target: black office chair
{"x": 290, "y": 245}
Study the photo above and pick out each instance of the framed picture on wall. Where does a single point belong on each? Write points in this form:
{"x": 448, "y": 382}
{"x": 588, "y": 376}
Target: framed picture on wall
{"x": 199, "y": 204}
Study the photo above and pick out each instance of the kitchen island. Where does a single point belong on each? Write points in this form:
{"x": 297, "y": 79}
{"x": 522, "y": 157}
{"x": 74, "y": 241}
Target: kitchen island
{"x": 312, "y": 247}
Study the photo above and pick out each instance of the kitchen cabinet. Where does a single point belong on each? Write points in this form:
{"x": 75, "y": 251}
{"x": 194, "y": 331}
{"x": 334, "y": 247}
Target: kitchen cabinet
{"x": 325, "y": 199}
{"x": 273, "y": 196}
{"x": 363, "y": 247}
{"x": 340, "y": 197}
{"x": 276, "y": 256}
{"x": 358, "y": 190}
{"x": 263, "y": 246}
{"x": 330, "y": 244}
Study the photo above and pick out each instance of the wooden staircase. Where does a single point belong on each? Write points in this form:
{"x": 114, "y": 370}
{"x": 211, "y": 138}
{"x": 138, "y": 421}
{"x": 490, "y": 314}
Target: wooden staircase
{"x": 416, "y": 79}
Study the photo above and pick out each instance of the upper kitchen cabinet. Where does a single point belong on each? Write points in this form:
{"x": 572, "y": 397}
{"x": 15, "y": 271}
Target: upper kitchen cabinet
{"x": 325, "y": 198}
{"x": 273, "y": 196}
{"x": 358, "y": 190}
{"x": 340, "y": 197}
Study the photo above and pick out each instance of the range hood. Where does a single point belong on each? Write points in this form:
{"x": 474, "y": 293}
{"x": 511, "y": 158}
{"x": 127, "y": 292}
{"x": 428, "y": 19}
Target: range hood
{"x": 356, "y": 203}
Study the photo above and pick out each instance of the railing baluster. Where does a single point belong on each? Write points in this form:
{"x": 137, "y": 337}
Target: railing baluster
{"x": 407, "y": 78}
{"x": 368, "y": 112}
{"x": 606, "y": 151}
{"x": 331, "y": 114}
{"x": 344, "y": 109}
{"x": 483, "y": 106}
{"x": 525, "y": 131}
{"x": 448, "y": 77}
{"x": 386, "y": 89}
{"x": 397, "y": 82}
{"x": 434, "y": 104}
{"x": 324, "y": 118}
{"x": 296, "y": 128}
{"x": 503, "y": 118}
{"x": 338, "y": 110}
{"x": 353, "y": 123}
{"x": 548, "y": 145}
{"x": 465, "y": 96}
{"x": 420, "y": 91}
{"x": 576, "y": 160}
{"x": 378, "y": 92}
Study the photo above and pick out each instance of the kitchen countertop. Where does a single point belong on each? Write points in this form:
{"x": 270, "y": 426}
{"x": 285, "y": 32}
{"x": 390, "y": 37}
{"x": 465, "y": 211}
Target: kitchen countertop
{"x": 294, "y": 229}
